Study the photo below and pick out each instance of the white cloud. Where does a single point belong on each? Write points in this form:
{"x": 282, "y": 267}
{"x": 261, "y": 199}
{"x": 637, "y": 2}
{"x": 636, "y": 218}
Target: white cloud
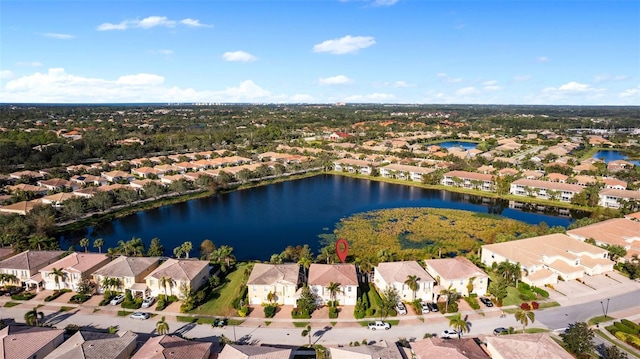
{"x": 345, "y": 45}
{"x": 140, "y": 80}
{"x": 193, "y": 23}
{"x": 374, "y": 97}
{"x": 573, "y": 87}
{"x": 467, "y": 91}
{"x": 29, "y": 64}
{"x": 6, "y": 74}
{"x": 448, "y": 79}
{"x": 56, "y": 85}
{"x": 633, "y": 93}
{"x": 491, "y": 85}
{"x": 608, "y": 77}
{"x": 335, "y": 80}
{"x": 239, "y": 56}
{"x": 150, "y": 22}
{"x": 542, "y": 59}
{"x": 58, "y": 36}
{"x": 384, "y": 2}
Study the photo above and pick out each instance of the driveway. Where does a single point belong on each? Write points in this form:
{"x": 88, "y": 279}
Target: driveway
{"x": 601, "y": 286}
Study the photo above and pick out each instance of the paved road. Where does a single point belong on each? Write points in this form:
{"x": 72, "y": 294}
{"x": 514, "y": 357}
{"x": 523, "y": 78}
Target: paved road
{"x": 343, "y": 333}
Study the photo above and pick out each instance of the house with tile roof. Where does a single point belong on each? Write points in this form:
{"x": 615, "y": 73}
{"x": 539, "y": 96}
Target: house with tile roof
{"x": 457, "y": 272}
{"x": 466, "y": 179}
{"x": 175, "y": 274}
{"x": 283, "y": 280}
{"x": 234, "y": 351}
{"x": 354, "y": 166}
{"x": 381, "y": 349}
{"x": 463, "y": 348}
{"x": 28, "y": 342}
{"x": 56, "y": 199}
{"x": 171, "y": 346}
{"x": 543, "y": 259}
{"x": 621, "y": 232}
{"x": 76, "y": 266}
{"x": 394, "y": 274}
{"x": 525, "y": 346}
{"x": 321, "y": 275}
{"x": 131, "y": 271}
{"x": 55, "y": 184}
{"x": 563, "y": 192}
{"x": 26, "y": 265}
{"x": 616, "y": 198}
{"x": 405, "y": 172}
{"x": 23, "y": 207}
{"x": 96, "y": 345}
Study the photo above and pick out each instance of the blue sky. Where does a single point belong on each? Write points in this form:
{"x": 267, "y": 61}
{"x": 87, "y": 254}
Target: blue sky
{"x": 321, "y": 51}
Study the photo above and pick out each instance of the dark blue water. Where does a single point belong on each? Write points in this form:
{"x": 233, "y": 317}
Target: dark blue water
{"x": 261, "y": 221}
{"x": 466, "y": 145}
{"x": 613, "y": 155}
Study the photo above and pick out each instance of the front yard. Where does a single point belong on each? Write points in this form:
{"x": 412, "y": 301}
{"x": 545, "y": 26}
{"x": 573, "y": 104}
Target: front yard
{"x": 220, "y": 301}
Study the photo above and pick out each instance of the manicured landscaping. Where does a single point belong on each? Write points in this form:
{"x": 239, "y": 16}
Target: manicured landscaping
{"x": 66, "y": 309}
{"x": 11, "y": 304}
{"x": 220, "y": 301}
{"x": 600, "y": 319}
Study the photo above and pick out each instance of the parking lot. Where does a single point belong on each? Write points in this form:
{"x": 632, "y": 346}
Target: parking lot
{"x": 573, "y": 291}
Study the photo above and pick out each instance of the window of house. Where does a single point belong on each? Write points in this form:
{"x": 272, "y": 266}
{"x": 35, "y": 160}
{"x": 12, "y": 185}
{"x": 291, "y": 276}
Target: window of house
{"x": 349, "y": 289}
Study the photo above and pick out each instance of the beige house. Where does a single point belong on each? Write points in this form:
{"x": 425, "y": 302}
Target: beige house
{"x": 562, "y": 192}
{"x": 463, "y": 348}
{"x": 617, "y": 232}
{"x": 322, "y": 275}
{"x": 174, "y": 276}
{"x": 75, "y": 267}
{"x": 394, "y": 274}
{"x": 354, "y": 166}
{"x": 615, "y": 198}
{"x": 233, "y": 351}
{"x": 525, "y": 346}
{"x": 26, "y": 265}
{"x": 96, "y": 345}
{"x": 130, "y": 271}
{"x": 405, "y": 172}
{"x": 283, "y": 280}
{"x": 381, "y": 349}
{"x": 466, "y": 179}
{"x": 457, "y": 272}
{"x": 171, "y": 346}
{"x": 28, "y": 342}
{"x": 543, "y": 259}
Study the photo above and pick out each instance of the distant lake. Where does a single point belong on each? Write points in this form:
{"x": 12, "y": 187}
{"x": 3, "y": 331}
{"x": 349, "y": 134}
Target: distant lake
{"x": 466, "y": 145}
{"x": 613, "y": 155}
{"x": 261, "y": 221}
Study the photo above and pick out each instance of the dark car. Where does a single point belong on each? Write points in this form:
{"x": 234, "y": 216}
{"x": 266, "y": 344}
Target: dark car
{"x": 13, "y": 290}
{"x": 486, "y": 301}
{"x": 432, "y": 307}
{"x": 500, "y": 331}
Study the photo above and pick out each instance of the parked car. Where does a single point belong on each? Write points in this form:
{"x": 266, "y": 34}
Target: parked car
{"x": 379, "y": 324}
{"x": 14, "y": 290}
{"x": 140, "y": 315}
{"x": 117, "y": 299}
{"x": 148, "y": 301}
{"x": 401, "y": 309}
{"x": 486, "y": 301}
{"x": 500, "y": 331}
{"x": 219, "y": 322}
{"x": 425, "y": 308}
{"x": 432, "y": 307}
{"x": 448, "y": 333}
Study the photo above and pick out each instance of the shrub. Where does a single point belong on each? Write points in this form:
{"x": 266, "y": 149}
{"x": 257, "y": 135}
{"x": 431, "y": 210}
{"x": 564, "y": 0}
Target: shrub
{"x": 540, "y": 292}
{"x": 244, "y": 311}
{"x": 359, "y": 310}
{"x": 56, "y": 294}
{"x": 473, "y": 302}
{"x": 23, "y": 296}
{"x": 270, "y": 311}
{"x": 239, "y": 301}
{"x": 298, "y": 313}
{"x": 136, "y": 303}
{"x": 524, "y": 286}
{"x": 535, "y": 305}
{"x": 108, "y": 295}
{"x": 525, "y": 306}
{"x": 625, "y": 329}
{"x": 631, "y": 324}
{"x": 79, "y": 298}
{"x": 71, "y": 329}
{"x": 370, "y": 312}
{"x": 611, "y": 329}
{"x": 333, "y": 312}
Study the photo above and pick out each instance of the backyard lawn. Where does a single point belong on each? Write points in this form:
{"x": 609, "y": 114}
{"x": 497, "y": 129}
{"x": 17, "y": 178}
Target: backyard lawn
{"x": 220, "y": 301}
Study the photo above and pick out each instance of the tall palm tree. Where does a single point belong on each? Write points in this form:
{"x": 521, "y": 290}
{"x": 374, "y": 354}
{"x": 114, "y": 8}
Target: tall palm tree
{"x": 167, "y": 282}
{"x": 58, "y": 274}
{"x": 33, "y": 316}
{"x": 186, "y": 248}
{"x": 305, "y": 262}
{"x": 412, "y": 283}
{"x": 460, "y": 324}
{"x": 162, "y": 327}
{"x": 84, "y": 242}
{"x": 98, "y": 243}
{"x": 525, "y": 317}
{"x": 334, "y": 289}
{"x": 448, "y": 293}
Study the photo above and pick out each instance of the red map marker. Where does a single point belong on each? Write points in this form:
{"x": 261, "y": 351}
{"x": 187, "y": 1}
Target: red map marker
{"x": 342, "y": 249}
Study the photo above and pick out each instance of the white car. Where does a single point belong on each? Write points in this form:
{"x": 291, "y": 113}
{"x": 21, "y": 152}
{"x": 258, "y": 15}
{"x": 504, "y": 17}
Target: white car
{"x": 379, "y": 324}
{"x": 425, "y": 308}
{"x": 148, "y": 301}
{"x": 140, "y": 315}
{"x": 401, "y": 309}
{"x": 117, "y": 299}
{"x": 448, "y": 333}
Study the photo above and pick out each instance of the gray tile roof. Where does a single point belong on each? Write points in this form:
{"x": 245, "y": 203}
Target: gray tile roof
{"x": 31, "y": 260}
{"x": 127, "y": 266}
{"x": 95, "y": 345}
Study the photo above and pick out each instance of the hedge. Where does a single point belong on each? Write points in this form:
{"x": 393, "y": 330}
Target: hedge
{"x": 297, "y": 313}
{"x": 631, "y": 324}
{"x": 333, "y": 312}
{"x": 540, "y": 291}
{"x": 270, "y": 311}
{"x": 625, "y": 329}
{"x": 473, "y": 302}
{"x": 56, "y": 294}
{"x": 23, "y": 296}
{"x": 79, "y": 298}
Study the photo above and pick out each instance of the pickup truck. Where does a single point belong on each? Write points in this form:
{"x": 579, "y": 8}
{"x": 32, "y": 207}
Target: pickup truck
{"x": 379, "y": 324}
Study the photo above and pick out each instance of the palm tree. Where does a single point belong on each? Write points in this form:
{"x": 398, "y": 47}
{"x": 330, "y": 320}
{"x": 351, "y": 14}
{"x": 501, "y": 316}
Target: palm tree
{"x": 334, "y": 289}
{"x": 186, "y": 248}
{"x": 123, "y": 248}
{"x": 412, "y": 283}
{"x": 84, "y": 242}
{"x": 307, "y": 332}
{"x": 166, "y": 282}
{"x": 162, "y": 327}
{"x": 58, "y": 274}
{"x": 178, "y": 251}
{"x": 524, "y": 317}
{"x": 459, "y": 324}
{"x": 98, "y": 243}
{"x": 305, "y": 262}
{"x": 447, "y": 293}
{"x": 37, "y": 241}
{"x": 31, "y": 317}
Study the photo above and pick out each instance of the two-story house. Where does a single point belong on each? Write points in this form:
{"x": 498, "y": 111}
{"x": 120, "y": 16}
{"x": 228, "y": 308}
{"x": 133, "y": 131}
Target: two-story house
{"x": 396, "y": 274}
{"x": 26, "y": 265}
{"x": 458, "y": 273}
{"x": 129, "y": 272}
{"x": 274, "y": 283}
{"x": 322, "y": 275}
{"x": 69, "y": 271}
{"x": 174, "y": 276}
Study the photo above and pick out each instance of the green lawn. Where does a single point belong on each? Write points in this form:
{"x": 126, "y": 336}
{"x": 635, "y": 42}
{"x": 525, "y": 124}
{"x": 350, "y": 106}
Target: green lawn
{"x": 11, "y": 304}
{"x": 513, "y": 297}
{"x": 220, "y": 302}
{"x": 600, "y": 319}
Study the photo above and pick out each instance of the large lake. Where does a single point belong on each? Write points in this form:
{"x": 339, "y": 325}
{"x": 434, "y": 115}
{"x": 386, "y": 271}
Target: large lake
{"x": 261, "y": 221}
{"x": 613, "y": 155}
